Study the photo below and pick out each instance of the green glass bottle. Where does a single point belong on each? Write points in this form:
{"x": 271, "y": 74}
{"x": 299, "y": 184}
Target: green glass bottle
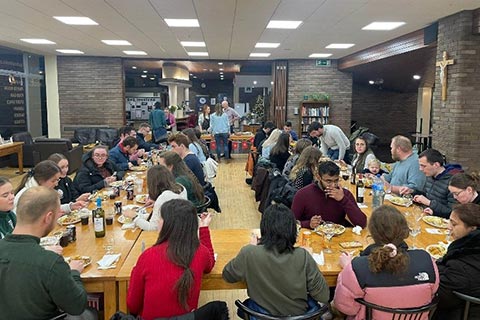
{"x": 99, "y": 220}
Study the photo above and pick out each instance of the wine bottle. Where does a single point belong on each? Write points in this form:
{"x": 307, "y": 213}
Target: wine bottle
{"x": 99, "y": 220}
{"x": 360, "y": 188}
{"x": 352, "y": 176}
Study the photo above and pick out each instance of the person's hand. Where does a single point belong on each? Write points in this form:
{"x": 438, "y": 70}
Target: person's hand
{"x": 110, "y": 179}
{"x": 149, "y": 203}
{"x": 421, "y": 199}
{"x": 57, "y": 249}
{"x": 428, "y": 211}
{"x": 130, "y": 166}
{"x": 315, "y": 221}
{"x": 129, "y": 213}
{"x": 254, "y": 239}
{"x": 84, "y": 197}
{"x": 78, "y": 205}
{"x": 205, "y": 219}
{"x": 404, "y": 190}
{"x": 77, "y": 265}
{"x": 335, "y": 193}
{"x": 140, "y": 152}
{"x": 345, "y": 259}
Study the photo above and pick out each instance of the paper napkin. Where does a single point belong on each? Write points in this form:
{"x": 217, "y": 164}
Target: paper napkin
{"x": 319, "y": 258}
{"x": 108, "y": 261}
{"x": 357, "y": 230}
{"x": 362, "y": 205}
{"x": 433, "y": 231}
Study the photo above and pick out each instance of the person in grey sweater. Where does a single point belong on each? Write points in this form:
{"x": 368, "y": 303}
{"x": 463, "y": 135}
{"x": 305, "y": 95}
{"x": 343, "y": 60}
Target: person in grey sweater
{"x": 333, "y": 142}
{"x": 281, "y": 279}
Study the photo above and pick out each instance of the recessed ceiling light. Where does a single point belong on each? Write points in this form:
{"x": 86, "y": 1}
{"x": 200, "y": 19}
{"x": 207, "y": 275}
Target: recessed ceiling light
{"x": 221, "y": 69}
{"x": 182, "y": 22}
{"x": 78, "y": 21}
{"x": 145, "y": 71}
{"x": 383, "y": 25}
{"x": 340, "y": 46}
{"x": 194, "y": 77}
{"x": 198, "y": 54}
{"x": 133, "y": 67}
{"x": 371, "y": 82}
{"x": 271, "y": 82}
{"x": 71, "y": 51}
{"x": 320, "y": 55}
{"x": 220, "y": 63}
{"x": 152, "y": 78}
{"x": 192, "y": 43}
{"x": 210, "y": 70}
{"x": 40, "y": 72}
{"x": 221, "y": 72}
{"x": 254, "y": 82}
{"x": 117, "y": 42}
{"x": 38, "y": 41}
{"x": 259, "y": 55}
{"x": 143, "y": 76}
{"x": 416, "y": 77}
{"x": 267, "y": 45}
{"x": 283, "y": 24}
{"x": 135, "y": 53}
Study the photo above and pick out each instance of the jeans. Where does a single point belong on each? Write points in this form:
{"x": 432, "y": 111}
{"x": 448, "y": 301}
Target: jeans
{"x": 222, "y": 137}
{"x": 333, "y": 154}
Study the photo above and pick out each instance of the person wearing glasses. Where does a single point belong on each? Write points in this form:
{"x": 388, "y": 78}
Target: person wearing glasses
{"x": 464, "y": 187}
{"x": 325, "y": 200}
{"x": 97, "y": 171}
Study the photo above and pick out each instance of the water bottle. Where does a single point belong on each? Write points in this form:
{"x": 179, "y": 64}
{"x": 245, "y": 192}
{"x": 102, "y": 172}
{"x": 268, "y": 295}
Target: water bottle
{"x": 378, "y": 193}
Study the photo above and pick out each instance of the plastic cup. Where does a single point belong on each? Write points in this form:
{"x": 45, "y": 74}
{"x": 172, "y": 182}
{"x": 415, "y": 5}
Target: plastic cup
{"x": 138, "y": 185}
{"x": 84, "y": 220}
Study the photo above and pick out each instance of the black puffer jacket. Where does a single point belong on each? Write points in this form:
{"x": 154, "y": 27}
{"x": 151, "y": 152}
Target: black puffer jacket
{"x": 459, "y": 271}
{"x": 88, "y": 177}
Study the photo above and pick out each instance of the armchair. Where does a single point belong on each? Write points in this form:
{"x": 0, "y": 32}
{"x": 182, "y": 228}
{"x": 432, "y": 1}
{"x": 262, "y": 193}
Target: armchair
{"x": 48, "y": 146}
{"x": 31, "y": 155}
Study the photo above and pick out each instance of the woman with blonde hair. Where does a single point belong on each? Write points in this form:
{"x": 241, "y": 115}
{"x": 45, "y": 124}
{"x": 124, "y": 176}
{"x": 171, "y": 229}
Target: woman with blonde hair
{"x": 270, "y": 142}
{"x": 303, "y": 172}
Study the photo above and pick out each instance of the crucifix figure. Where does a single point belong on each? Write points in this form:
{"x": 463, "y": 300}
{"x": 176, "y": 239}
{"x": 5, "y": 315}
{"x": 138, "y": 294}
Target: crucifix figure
{"x": 443, "y": 73}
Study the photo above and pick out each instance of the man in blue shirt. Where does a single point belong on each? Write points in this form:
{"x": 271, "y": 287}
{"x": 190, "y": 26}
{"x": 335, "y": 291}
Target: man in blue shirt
{"x": 288, "y": 129}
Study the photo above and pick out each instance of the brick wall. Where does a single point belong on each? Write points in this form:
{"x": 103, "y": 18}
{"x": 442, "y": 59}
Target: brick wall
{"x": 91, "y": 92}
{"x": 456, "y": 120}
{"x": 305, "y": 78}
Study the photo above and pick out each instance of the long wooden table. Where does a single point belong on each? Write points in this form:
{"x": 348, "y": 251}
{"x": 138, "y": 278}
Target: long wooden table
{"x": 11, "y": 148}
{"x": 232, "y": 137}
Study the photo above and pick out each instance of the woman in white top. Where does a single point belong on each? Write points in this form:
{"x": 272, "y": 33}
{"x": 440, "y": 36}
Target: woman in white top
{"x": 270, "y": 142}
{"x": 161, "y": 188}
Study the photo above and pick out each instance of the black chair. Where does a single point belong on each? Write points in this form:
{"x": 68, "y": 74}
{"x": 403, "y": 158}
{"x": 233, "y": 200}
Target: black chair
{"x": 31, "y": 154}
{"x": 203, "y": 207}
{"x": 107, "y": 136}
{"x": 468, "y": 301}
{"x": 250, "y": 314}
{"x": 400, "y": 313}
{"x": 49, "y": 146}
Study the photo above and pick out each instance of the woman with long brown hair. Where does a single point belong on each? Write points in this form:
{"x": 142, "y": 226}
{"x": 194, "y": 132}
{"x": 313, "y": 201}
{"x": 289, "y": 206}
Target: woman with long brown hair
{"x": 363, "y": 155}
{"x": 303, "y": 172}
{"x": 386, "y": 270}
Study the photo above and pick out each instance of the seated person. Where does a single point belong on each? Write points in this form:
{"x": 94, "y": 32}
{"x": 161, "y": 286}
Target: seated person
{"x": 459, "y": 268}
{"x": 144, "y": 130}
{"x": 179, "y": 143}
{"x": 296, "y": 284}
{"x": 8, "y": 218}
{"x": 267, "y": 146}
{"x": 304, "y": 171}
{"x": 37, "y": 283}
{"x": 325, "y": 200}
{"x": 297, "y": 150}
{"x": 262, "y": 134}
{"x": 120, "y": 154}
{"x": 280, "y": 154}
{"x": 465, "y": 187}
{"x": 406, "y": 172}
{"x": 288, "y": 129}
{"x": 196, "y": 146}
{"x": 374, "y": 168}
{"x": 363, "y": 155}
{"x": 386, "y": 270}
{"x": 129, "y": 131}
{"x": 97, "y": 171}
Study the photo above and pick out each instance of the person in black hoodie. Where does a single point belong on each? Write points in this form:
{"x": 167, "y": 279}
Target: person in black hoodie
{"x": 97, "y": 171}
{"x": 459, "y": 269}
{"x": 66, "y": 189}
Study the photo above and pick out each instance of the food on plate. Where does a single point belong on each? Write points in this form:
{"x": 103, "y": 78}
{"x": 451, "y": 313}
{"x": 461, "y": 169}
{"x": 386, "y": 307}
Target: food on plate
{"x": 350, "y": 244}
{"x": 48, "y": 241}
{"x": 69, "y": 219}
{"x": 436, "y": 221}
{"x": 86, "y": 260}
{"x": 123, "y": 219}
{"x": 338, "y": 229}
{"x": 436, "y": 250}
{"x": 141, "y": 198}
{"x": 399, "y": 201}
{"x": 139, "y": 168}
{"x": 116, "y": 183}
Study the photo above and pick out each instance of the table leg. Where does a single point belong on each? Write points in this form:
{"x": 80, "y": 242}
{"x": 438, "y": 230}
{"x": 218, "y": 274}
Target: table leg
{"x": 20, "y": 159}
{"x": 109, "y": 299}
{"x": 122, "y": 296}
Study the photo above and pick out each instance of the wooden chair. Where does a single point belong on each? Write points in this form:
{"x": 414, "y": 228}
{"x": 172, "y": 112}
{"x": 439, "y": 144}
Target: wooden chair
{"x": 400, "y": 313}
{"x": 468, "y": 300}
{"x": 251, "y": 314}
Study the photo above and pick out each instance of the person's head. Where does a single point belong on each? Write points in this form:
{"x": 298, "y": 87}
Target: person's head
{"x": 400, "y": 147}
{"x": 464, "y": 219}
{"x": 179, "y": 143}
{"x": 374, "y": 166}
{"x": 100, "y": 155}
{"x": 224, "y": 104}
{"x": 144, "y": 128}
{"x": 166, "y": 110}
{"x": 388, "y": 228}
{"x": 308, "y": 159}
{"x": 218, "y": 109}
{"x": 272, "y": 138}
{"x": 6, "y": 195}
{"x": 328, "y": 174}
{"x": 46, "y": 173}
{"x": 38, "y": 208}
{"x": 158, "y": 105}
{"x": 301, "y": 145}
{"x": 288, "y": 126}
{"x": 159, "y": 179}
{"x": 361, "y": 145}
{"x": 431, "y": 162}
{"x": 179, "y": 227}
{"x": 127, "y": 131}
{"x": 193, "y": 135}
{"x": 206, "y": 109}
{"x": 61, "y": 161}
{"x": 464, "y": 186}
{"x": 282, "y": 145}
{"x": 278, "y": 229}
{"x": 268, "y": 127}
{"x": 130, "y": 145}
{"x": 315, "y": 129}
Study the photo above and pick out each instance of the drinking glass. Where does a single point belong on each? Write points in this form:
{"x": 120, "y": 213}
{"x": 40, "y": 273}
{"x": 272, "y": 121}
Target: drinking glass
{"x": 109, "y": 245}
{"x": 414, "y": 226}
{"x": 328, "y": 229}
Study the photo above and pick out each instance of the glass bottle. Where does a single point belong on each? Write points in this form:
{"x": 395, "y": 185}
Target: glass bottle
{"x": 99, "y": 220}
{"x": 360, "y": 189}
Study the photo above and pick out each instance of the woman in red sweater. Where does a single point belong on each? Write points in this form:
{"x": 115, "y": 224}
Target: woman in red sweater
{"x": 166, "y": 280}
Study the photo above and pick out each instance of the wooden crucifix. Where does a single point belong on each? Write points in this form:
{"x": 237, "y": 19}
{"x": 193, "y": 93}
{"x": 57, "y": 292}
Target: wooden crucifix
{"x": 443, "y": 73}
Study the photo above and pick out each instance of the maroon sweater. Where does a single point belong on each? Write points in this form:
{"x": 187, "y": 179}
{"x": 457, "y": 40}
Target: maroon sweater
{"x": 311, "y": 200}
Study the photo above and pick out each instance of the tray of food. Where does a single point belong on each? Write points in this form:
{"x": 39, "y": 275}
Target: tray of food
{"x": 86, "y": 260}
{"x": 338, "y": 229}
{"x": 139, "y": 168}
{"x": 437, "y": 251}
{"x": 68, "y": 219}
{"x": 141, "y": 198}
{"x": 116, "y": 183}
{"x": 399, "y": 201}
{"x": 351, "y": 244}
{"x": 436, "y": 221}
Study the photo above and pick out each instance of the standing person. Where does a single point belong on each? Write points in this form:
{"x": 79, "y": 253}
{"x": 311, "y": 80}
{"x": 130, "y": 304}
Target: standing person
{"x": 296, "y": 284}
{"x": 363, "y": 155}
{"x": 435, "y": 194}
{"x": 183, "y": 253}
{"x": 204, "y": 118}
{"x": 231, "y": 114}
{"x": 37, "y": 283}
{"x": 303, "y": 173}
{"x": 459, "y": 268}
{"x": 157, "y": 121}
{"x": 280, "y": 154}
{"x": 333, "y": 142}
{"x": 143, "y": 132}
{"x": 8, "y": 218}
{"x": 171, "y": 125}
{"x": 161, "y": 187}
{"x": 288, "y": 129}
{"x": 386, "y": 270}
{"x": 325, "y": 200}
{"x": 406, "y": 172}
{"x": 262, "y": 134}
{"x": 66, "y": 189}
{"x": 220, "y": 130}
{"x": 97, "y": 171}
{"x": 180, "y": 145}
{"x": 120, "y": 154}
{"x": 465, "y": 186}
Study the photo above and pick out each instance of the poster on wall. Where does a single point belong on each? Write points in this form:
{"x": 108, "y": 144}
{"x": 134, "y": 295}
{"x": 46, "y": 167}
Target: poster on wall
{"x": 139, "y": 108}
{"x": 12, "y": 106}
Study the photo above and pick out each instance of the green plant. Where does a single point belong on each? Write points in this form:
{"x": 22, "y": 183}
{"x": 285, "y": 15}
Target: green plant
{"x": 319, "y": 97}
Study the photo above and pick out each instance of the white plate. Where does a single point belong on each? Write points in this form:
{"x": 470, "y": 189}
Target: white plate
{"x": 48, "y": 241}
{"x": 141, "y": 198}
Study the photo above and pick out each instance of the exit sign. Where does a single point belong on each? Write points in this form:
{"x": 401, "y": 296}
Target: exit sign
{"x": 322, "y": 63}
